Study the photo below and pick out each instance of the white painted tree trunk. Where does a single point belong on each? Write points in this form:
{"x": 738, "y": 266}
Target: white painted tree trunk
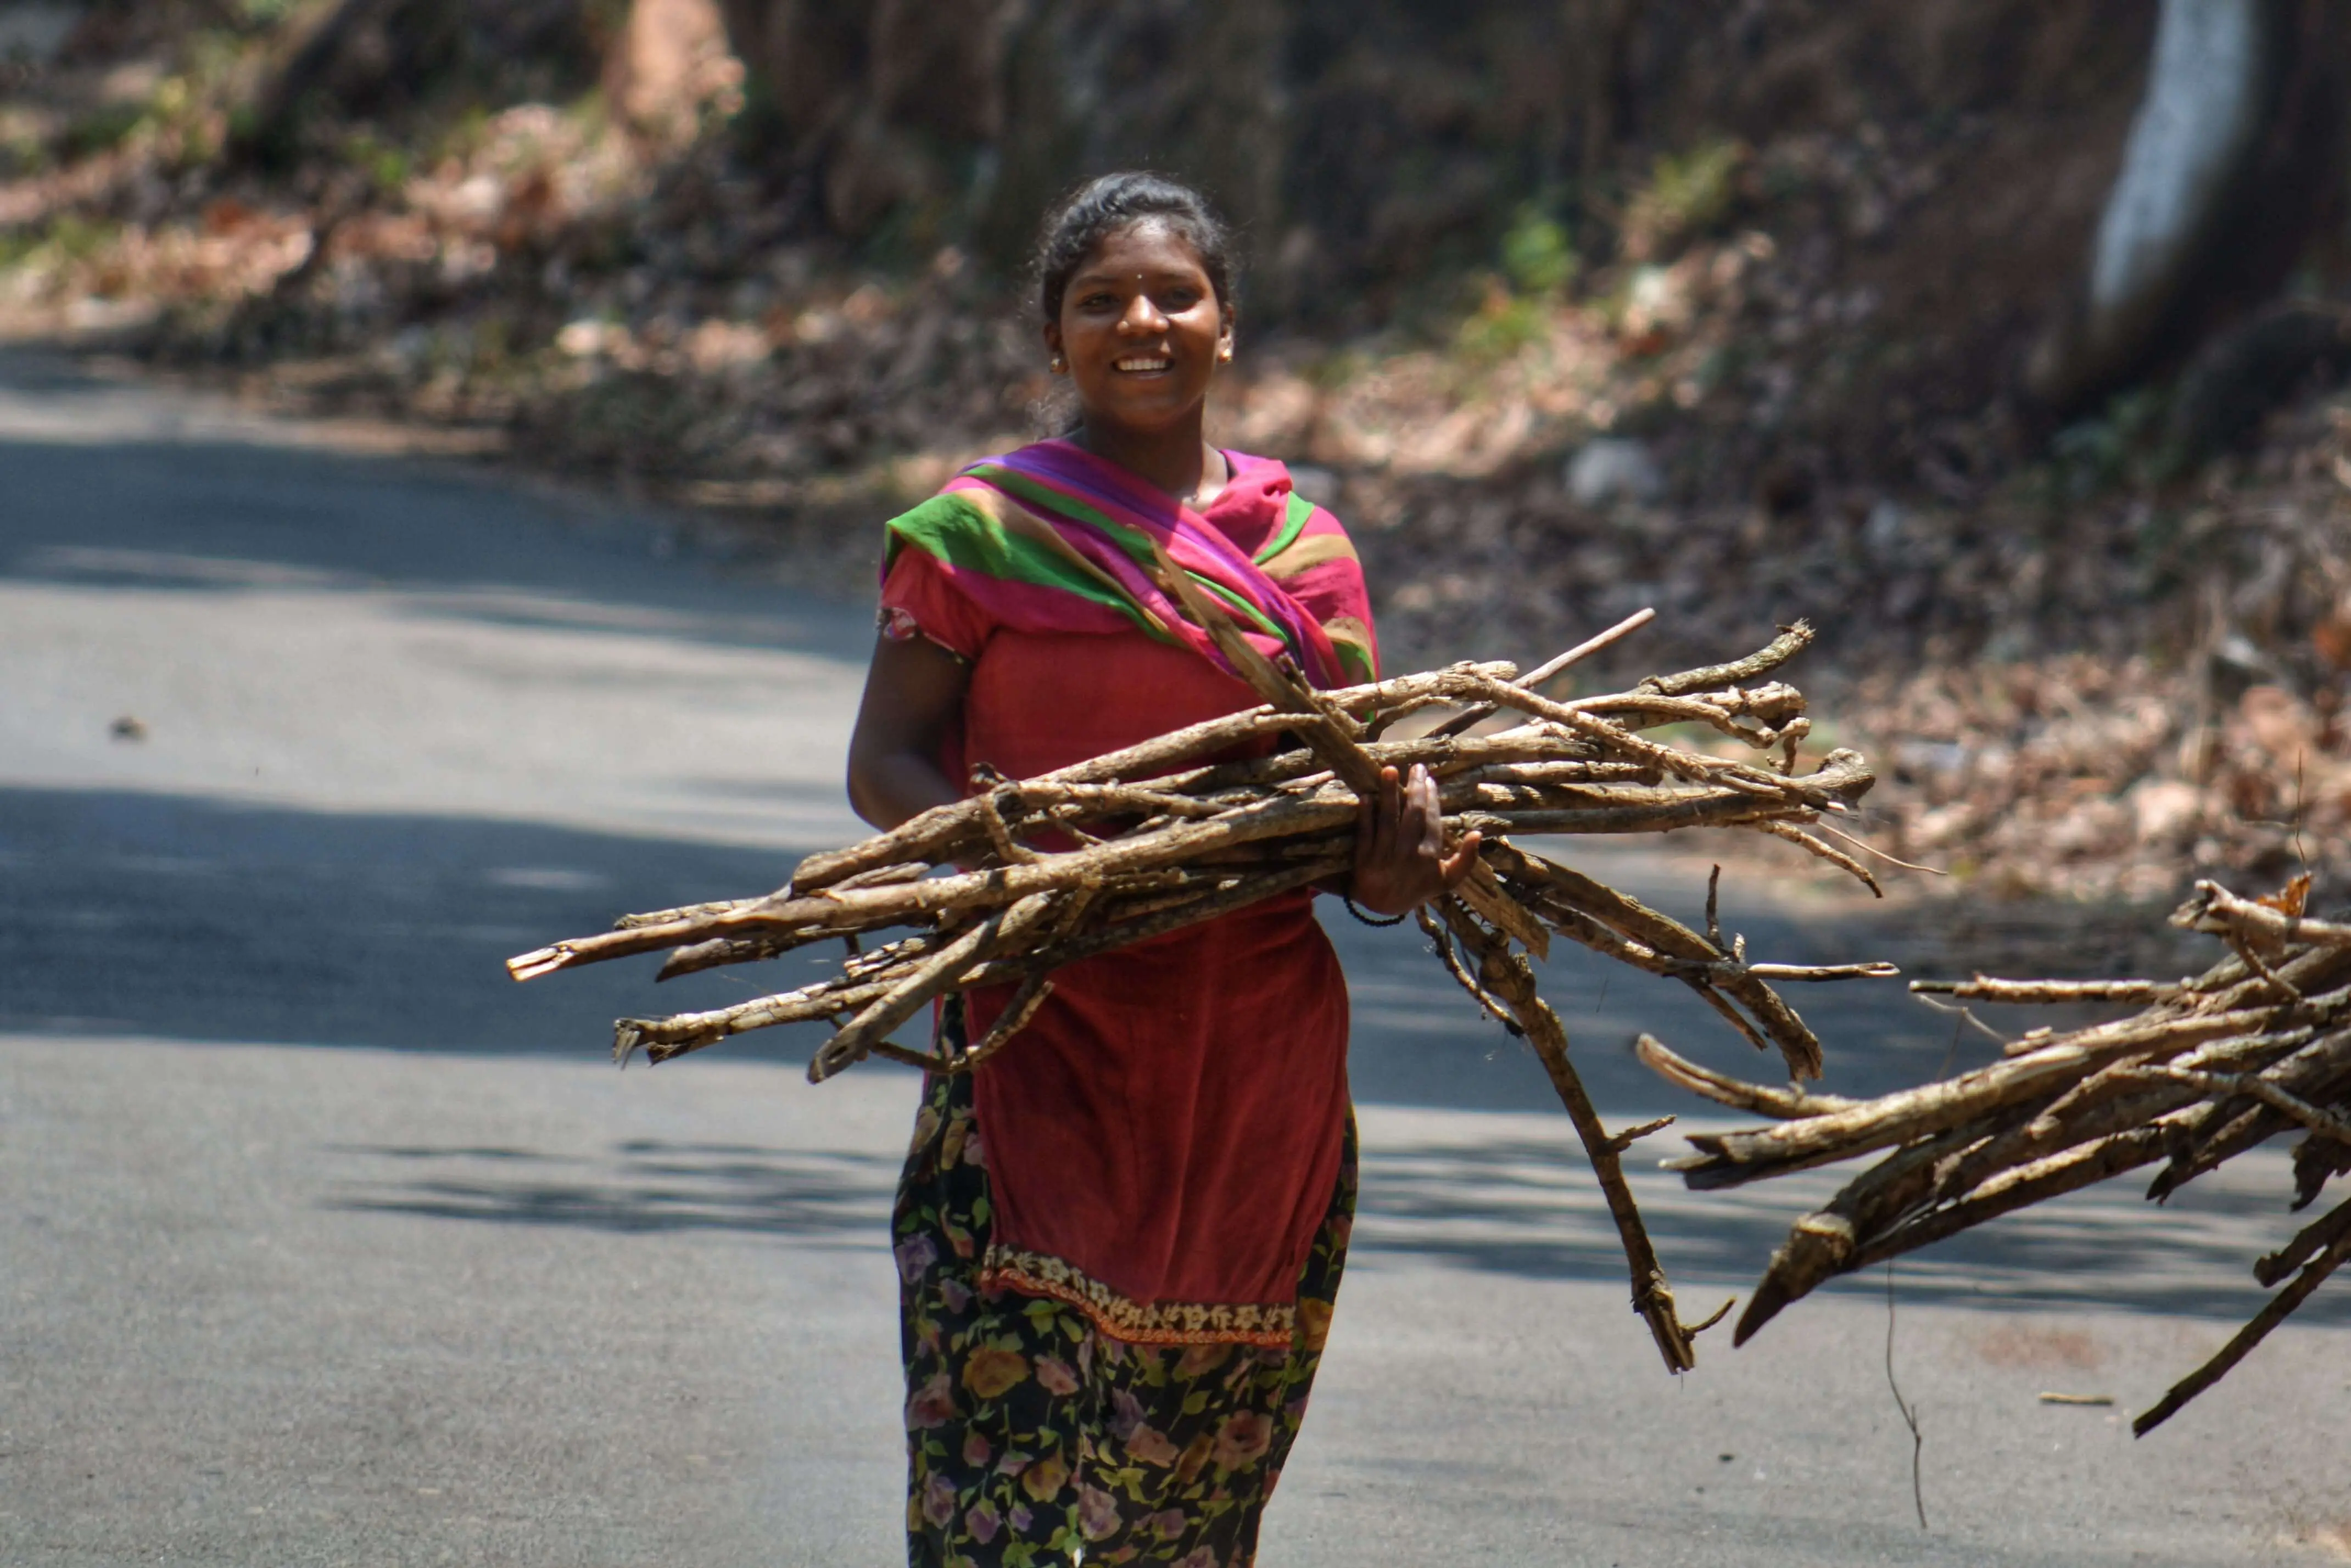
{"x": 2202, "y": 111}
{"x": 2207, "y": 93}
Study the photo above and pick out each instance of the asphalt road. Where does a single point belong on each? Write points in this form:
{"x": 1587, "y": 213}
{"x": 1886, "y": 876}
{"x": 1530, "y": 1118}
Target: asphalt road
{"x": 323, "y": 1243}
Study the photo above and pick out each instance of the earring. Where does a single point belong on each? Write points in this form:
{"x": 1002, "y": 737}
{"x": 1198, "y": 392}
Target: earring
{"x": 1225, "y": 356}
{"x": 1058, "y": 365}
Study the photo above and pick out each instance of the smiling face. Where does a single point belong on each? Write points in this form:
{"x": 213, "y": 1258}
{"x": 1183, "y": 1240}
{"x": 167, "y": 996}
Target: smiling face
{"x": 1142, "y": 331}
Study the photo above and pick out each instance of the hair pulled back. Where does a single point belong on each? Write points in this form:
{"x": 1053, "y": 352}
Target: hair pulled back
{"x": 1102, "y": 207}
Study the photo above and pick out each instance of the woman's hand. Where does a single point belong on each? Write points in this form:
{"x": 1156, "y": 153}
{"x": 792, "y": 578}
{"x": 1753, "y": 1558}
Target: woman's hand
{"x": 1400, "y": 859}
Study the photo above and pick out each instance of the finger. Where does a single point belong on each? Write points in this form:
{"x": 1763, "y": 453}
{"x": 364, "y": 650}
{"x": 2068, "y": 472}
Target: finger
{"x": 1432, "y": 824}
{"x": 1391, "y": 807}
{"x": 1409, "y": 812}
{"x": 1457, "y": 865}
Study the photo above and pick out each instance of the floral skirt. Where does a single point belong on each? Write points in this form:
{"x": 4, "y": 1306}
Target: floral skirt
{"x": 1032, "y": 1438}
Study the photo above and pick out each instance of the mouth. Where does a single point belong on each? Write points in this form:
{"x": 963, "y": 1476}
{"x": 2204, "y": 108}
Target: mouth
{"x": 1143, "y": 364}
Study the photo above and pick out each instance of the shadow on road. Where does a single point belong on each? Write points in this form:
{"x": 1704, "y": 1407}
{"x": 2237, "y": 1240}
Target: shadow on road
{"x": 192, "y": 919}
{"x": 105, "y": 486}
{"x": 643, "y": 1186}
{"x": 1523, "y": 1207}
{"x": 185, "y": 918}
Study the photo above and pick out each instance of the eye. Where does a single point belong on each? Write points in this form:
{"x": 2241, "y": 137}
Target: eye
{"x": 1100, "y": 299}
{"x": 1178, "y": 300}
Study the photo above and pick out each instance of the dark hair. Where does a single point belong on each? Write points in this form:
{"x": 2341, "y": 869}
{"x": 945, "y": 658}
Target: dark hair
{"x": 1102, "y": 207}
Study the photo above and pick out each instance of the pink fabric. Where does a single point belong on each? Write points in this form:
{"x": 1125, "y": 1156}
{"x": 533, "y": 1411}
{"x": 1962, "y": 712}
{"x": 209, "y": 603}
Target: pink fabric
{"x": 1093, "y": 504}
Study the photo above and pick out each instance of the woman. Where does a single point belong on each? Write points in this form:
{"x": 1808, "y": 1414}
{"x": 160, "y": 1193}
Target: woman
{"x": 1121, "y": 1238}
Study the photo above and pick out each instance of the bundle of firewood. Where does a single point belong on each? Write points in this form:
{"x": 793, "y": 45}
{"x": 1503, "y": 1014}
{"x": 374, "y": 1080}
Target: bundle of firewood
{"x": 1026, "y": 875}
{"x": 2212, "y": 1066}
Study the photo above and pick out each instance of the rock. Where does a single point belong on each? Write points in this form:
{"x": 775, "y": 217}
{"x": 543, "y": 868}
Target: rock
{"x": 36, "y": 32}
{"x": 2240, "y": 376}
{"x": 587, "y": 338}
{"x": 2163, "y": 811}
{"x": 1784, "y": 487}
{"x": 1881, "y": 532}
{"x": 2092, "y": 828}
{"x": 1614, "y": 468}
{"x": 1943, "y": 760}
{"x": 2236, "y": 659}
{"x": 1318, "y": 485}
{"x": 671, "y": 57}
{"x": 2282, "y": 725}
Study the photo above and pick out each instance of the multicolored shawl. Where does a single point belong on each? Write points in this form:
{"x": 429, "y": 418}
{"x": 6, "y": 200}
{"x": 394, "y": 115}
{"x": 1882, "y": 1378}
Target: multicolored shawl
{"x": 1052, "y": 537}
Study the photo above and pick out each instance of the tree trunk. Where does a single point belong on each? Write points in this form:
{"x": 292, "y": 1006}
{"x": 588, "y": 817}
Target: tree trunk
{"x": 2233, "y": 165}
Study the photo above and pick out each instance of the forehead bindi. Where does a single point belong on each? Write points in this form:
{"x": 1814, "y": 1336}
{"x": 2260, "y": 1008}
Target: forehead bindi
{"x": 1147, "y": 252}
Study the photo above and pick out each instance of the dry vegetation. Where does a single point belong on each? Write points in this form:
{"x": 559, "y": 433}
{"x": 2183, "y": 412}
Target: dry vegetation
{"x": 2212, "y": 1066}
{"x": 1775, "y": 381}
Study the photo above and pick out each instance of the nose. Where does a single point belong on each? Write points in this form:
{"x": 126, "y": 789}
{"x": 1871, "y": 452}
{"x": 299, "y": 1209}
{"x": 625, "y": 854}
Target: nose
{"x": 1142, "y": 317}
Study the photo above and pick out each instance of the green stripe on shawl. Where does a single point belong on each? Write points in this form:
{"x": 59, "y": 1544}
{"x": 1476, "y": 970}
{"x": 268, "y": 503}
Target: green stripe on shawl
{"x": 1353, "y": 643}
{"x": 957, "y": 532}
{"x": 1293, "y": 523}
{"x": 1044, "y": 498}
{"x": 962, "y": 530}
{"x": 1136, "y": 544}
{"x": 1315, "y": 550}
{"x": 1241, "y": 607}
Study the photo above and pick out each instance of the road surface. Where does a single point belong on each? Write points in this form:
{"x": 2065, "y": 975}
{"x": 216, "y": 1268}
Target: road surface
{"x": 323, "y": 1243}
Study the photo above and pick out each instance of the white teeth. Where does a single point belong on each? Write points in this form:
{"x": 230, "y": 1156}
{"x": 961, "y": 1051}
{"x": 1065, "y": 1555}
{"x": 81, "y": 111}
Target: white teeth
{"x": 1142, "y": 364}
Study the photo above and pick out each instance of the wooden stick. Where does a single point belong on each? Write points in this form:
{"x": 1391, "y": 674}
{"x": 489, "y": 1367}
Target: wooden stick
{"x": 2212, "y": 907}
{"x": 1322, "y": 730}
{"x": 1033, "y": 993}
{"x": 2258, "y": 1086}
{"x": 935, "y": 974}
{"x": 1534, "y": 678}
{"x": 1791, "y": 641}
{"x": 1796, "y": 1043}
{"x": 1512, "y": 980}
{"x": 1835, "y": 856}
{"x": 1166, "y": 840}
{"x": 2313, "y": 1238}
{"x": 1915, "y": 1113}
{"x": 1724, "y": 1090}
{"x": 2033, "y": 991}
{"x": 2280, "y": 1307}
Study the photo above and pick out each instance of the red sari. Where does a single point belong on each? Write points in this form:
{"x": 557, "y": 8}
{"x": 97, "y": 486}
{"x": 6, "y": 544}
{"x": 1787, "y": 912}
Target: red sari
{"x": 1163, "y": 1136}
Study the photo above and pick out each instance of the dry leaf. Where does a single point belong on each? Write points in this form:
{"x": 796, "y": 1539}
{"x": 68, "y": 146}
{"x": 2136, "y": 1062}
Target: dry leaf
{"x": 2331, "y": 639}
{"x": 2290, "y": 900}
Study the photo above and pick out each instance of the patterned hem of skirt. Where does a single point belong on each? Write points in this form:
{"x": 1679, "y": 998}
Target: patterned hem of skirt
{"x": 1138, "y": 1322}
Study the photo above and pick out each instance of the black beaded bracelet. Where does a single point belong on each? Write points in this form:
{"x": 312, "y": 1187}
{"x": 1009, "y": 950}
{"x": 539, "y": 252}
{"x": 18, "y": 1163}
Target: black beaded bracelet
{"x": 1348, "y": 899}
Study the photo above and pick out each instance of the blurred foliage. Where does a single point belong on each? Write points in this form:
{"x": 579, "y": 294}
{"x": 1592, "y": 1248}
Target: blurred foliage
{"x": 2126, "y": 443}
{"x": 384, "y": 165}
{"x": 66, "y": 239}
{"x": 1536, "y": 253}
{"x": 101, "y": 129}
{"x": 1500, "y": 327}
{"x": 1689, "y": 194}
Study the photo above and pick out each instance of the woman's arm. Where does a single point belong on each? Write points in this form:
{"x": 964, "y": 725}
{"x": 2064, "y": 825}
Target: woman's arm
{"x": 914, "y": 693}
